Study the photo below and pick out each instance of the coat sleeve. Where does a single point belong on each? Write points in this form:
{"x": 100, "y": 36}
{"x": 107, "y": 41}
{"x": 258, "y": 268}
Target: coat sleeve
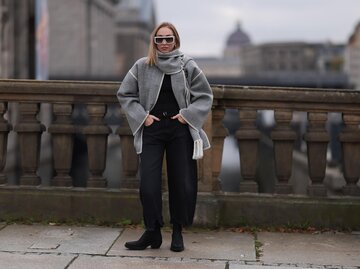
{"x": 201, "y": 98}
{"x": 128, "y": 96}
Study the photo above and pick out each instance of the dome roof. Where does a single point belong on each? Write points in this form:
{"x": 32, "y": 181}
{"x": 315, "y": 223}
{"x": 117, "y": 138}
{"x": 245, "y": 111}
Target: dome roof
{"x": 238, "y": 37}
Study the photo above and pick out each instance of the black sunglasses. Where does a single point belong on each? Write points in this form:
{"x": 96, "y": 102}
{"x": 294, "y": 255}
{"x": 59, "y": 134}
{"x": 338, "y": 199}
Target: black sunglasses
{"x": 167, "y": 39}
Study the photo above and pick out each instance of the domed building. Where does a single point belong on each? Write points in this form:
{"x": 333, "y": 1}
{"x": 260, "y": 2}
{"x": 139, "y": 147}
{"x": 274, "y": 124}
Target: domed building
{"x": 235, "y": 42}
{"x": 229, "y": 65}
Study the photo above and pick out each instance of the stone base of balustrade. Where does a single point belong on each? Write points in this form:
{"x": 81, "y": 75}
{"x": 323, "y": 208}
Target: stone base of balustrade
{"x": 130, "y": 183}
{"x": 93, "y": 205}
{"x": 318, "y": 190}
{"x": 61, "y": 181}
{"x": 30, "y": 180}
{"x": 96, "y": 182}
{"x": 283, "y": 188}
{"x": 251, "y": 187}
{"x": 204, "y": 187}
{"x": 2, "y": 179}
{"x": 216, "y": 184}
{"x": 351, "y": 190}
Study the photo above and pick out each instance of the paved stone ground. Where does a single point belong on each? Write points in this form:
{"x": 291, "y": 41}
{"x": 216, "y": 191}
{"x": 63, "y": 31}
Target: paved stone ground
{"x": 61, "y": 247}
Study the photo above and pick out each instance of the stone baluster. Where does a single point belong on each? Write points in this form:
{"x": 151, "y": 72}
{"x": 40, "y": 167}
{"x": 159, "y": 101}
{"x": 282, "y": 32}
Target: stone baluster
{"x": 205, "y": 179}
{"x": 350, "y": 141}
{"x": 283, "y": 138}
{"x": 219, "y": 132}
{"x": 62, "y": 138}
{"x": 317, "y": 141}
{"x": 130, "y": 160}
{"x": 248, "y": 138}
{"x": 29, "y": 130}
{"x": 5, "y": 127}
{"x": 96, "y": 137}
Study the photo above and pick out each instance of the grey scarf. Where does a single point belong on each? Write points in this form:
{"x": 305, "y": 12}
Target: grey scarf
{"x": 170, "y": 63}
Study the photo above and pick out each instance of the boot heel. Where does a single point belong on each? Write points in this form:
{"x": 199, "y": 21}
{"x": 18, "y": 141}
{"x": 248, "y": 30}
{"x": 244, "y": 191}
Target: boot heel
{"x": 149, "y": 238}
{"x": 156, "y": 244}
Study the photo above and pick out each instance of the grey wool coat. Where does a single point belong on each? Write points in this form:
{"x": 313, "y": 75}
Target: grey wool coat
{"x": 141, "y": 86}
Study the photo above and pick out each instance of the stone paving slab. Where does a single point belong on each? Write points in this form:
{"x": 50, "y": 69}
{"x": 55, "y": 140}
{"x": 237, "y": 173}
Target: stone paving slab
{"x": 43, "y": 246}
{"x": 84, "y": 262}
{"x": 323, "y": 249}
{"x": 57, "y": 239}
{"x": 203, "y": 245}
{"x": 241, "y": 266}
{"x": 34, "y": 261}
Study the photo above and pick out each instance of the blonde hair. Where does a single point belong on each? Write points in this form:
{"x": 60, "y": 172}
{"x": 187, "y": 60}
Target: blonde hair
{"x": 151, "y": 59}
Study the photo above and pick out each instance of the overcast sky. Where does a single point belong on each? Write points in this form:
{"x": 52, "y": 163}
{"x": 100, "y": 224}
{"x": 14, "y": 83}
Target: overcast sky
{"x": 204, "y": 25}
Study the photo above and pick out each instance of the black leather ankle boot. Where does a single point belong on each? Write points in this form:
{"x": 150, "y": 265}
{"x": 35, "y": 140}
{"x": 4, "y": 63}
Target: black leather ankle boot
{"x": 177, "y": 243}
{"x": 149, "y": 238}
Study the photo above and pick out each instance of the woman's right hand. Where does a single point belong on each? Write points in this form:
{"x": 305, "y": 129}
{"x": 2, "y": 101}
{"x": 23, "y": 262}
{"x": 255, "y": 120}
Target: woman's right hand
{"x": 150, "y": 120}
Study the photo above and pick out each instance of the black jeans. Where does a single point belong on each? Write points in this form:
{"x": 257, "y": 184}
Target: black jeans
{"x": 174, "y": 138}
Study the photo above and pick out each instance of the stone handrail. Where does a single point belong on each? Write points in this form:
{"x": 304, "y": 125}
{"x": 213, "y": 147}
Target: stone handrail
{"x": 63, "y": 95}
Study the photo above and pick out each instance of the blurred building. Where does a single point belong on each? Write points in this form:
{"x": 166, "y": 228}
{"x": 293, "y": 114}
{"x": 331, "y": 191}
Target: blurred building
{"x": 97, "y": 39}
{"x": 235, "y": 43}
{"x": 295, "y": 61}
{"x": 353, "y": 57}
{"x": 298, "y": 64}
{"x": 81, "y": 39}
{"x": 275, "y": 58}
{"x": 229, "y": 65}
{"x": 17, "y": 39}
{"x": 135, "y": 20}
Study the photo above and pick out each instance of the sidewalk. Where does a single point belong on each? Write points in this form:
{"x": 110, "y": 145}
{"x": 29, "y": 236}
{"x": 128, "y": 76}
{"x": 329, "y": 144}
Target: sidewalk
{"x": 58, "y": 247}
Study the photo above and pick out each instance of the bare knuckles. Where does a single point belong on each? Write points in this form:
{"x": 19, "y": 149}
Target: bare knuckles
{"x": 150, "y": 120}
{"x": 179, "y": 118}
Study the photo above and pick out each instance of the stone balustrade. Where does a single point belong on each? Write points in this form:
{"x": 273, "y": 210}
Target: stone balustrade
{"x": 29, "y": 95}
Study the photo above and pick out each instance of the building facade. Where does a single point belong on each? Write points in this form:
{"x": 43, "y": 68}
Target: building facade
{"x": 353, "y": 58}
{"x": 296, "y": 63}
{"x": 17, "y": 39}
{"x": 81, "y": 39}
{"x": 98, "y": 39}
{"x": 135, "y": 20}
{"x": 293, "y": 57}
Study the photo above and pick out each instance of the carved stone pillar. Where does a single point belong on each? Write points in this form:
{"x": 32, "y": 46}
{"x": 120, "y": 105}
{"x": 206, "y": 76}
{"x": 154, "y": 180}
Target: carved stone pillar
{"x": 29, "y": 130}
{"x": 130, "y": 160}
{"x": 205, "y": 174}
{"x": 350, "y": 140}
{"x": 218, "y": 136}
{"x": 4, "y": 131}
{"x": 317, "y": 141}
{"x": 284, "y": 139}
{"x": 96, "y": 137}
{"x": 62, "y": 138}
{"x": 248, "y": 138}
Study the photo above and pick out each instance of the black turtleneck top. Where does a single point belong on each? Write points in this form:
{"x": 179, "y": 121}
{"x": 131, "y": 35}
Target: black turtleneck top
{"x": 166, "y": 101}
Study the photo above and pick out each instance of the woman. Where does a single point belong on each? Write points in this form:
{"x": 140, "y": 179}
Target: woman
{"x": 166, "y": 98}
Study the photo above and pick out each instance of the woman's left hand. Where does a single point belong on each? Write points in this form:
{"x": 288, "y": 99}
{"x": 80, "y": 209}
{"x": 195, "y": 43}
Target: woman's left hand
{"x": 179, "y": 118}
